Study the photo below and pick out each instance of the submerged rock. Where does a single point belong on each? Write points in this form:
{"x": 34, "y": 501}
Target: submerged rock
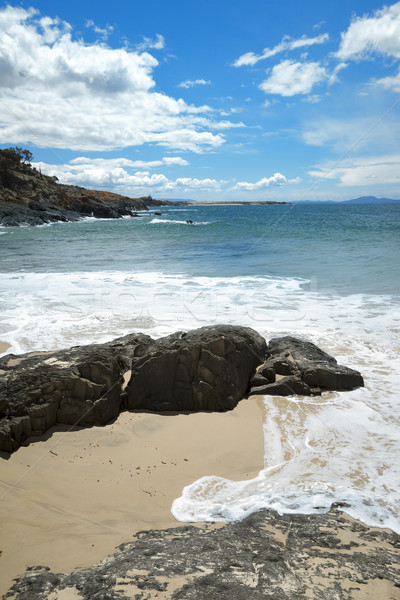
{"x": 285, "y": 557}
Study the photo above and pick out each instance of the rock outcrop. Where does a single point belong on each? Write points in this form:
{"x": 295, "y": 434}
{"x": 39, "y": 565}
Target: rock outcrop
{"x": 320, "y": 556}
{"x": 295, "y": 366}
{"x": 211, "y": 368}
{"x": 205, "y": 369}
{"x": 80, "y": 386}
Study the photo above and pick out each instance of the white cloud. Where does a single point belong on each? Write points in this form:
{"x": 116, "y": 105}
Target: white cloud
{"x": 192, "y": 82}
{"x": 103, "y": 32}
{"x": 121, "y": 175}
{"x": 287, "y": 43}
{"x": 389, "y": 83}
{"x": 148, "y": 44}
{"x": 276, "y": 179}
{"x": 86, "y": 97}
{"x": 107, "y": 163}
{"x": 382, "y": 170}
{"x": 367, "y": 35}
{"x": 289, "y": 78}
{"x": 361, "y": 133}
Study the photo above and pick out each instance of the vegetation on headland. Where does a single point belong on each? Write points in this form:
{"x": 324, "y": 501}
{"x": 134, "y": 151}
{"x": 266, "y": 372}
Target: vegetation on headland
{"x": 27, "y": 197}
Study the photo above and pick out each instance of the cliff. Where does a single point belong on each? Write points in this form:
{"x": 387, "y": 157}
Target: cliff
{"x": 27, "y": 197}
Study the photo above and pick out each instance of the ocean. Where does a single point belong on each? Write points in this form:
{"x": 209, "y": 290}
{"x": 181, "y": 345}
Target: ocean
{"x": 329, "y": 273}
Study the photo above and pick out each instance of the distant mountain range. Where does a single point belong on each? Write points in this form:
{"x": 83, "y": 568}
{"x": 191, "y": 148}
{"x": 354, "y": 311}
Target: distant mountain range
{"x": 370, "y": 200}
{"x": 361, "y": 200}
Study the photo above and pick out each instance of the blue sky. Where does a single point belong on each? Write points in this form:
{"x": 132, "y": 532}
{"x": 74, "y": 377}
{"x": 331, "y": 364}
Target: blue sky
{"x": 228, "y": 100}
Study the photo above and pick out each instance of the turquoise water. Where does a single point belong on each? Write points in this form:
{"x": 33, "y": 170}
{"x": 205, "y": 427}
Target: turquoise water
{"x": 352, "y": 248}
{"x": 327, "y": 273}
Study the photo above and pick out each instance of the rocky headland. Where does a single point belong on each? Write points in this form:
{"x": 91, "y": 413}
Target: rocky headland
{"x": 27, "y": 197}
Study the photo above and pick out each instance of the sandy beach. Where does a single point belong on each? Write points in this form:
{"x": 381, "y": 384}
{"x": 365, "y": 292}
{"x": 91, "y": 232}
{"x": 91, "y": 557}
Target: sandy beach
{"x": 3, "y": 347}
{"x": 71, "y": 497}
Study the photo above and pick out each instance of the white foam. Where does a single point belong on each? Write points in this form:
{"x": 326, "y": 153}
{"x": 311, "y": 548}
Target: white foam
{"x": 177, "y": 222}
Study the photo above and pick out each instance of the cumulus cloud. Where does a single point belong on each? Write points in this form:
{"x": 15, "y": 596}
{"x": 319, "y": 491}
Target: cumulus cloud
{"x": 382, "y": 170}
{"x": 287, "y": 43}
{"x": 86, "y": 97}
{"x": 148, "y": 44}
{"x": 192, "y": 82}
{"x": 125, "y": 176}
{"x": 379, "y": 33}
{"x": 289, "y": 78}
{"x": 276, "y": 179}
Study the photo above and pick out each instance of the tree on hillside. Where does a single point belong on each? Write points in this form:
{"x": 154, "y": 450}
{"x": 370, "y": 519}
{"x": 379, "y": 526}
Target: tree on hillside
{"x": 11, "y": 159}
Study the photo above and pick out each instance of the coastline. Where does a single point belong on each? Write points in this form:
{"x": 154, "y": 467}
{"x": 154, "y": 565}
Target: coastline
{"x": 76, "y": 496}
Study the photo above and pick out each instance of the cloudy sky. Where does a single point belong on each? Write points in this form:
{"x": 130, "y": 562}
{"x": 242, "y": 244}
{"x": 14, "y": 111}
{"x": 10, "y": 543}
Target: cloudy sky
{"x": 218, "y": 99}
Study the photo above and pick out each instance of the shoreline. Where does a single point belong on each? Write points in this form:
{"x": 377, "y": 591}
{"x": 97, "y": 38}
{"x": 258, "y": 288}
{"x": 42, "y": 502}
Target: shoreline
{"x": 75, "y": 496}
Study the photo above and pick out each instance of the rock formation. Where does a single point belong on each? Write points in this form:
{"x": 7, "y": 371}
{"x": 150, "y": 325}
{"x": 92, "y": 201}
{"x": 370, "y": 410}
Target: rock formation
{"x": 320, "y": 556}
{"x": 205, "y": 369}
{"x": 303, "y": 369}
{"x": 211, "y": 368}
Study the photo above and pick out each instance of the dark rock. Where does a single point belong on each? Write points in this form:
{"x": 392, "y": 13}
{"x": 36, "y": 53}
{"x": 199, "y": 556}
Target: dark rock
{"x": 80, "y": 386}
{"x": 289, "y": 355}
{"x": 286, "y": 386}
{"x": 335, "y": 377}
{"x": 206, "y": 369}
{"x": 320, "y": 556}
{"x": 258, "y": 380}
{"x": 267, "y": 372}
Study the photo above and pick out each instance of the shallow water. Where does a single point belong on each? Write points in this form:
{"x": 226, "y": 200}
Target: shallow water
{"x": 329, "y": 273}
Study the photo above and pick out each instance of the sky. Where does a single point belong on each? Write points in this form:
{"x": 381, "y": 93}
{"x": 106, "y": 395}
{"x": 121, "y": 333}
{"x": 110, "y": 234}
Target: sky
{"x": 211, "y": 100}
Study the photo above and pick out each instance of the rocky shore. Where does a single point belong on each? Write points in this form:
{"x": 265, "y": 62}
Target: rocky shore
{"x": 327, "y": 556}
{"x": 321, "y": 556}
{"x": 27, "y": 197}
{"x": 211, "y": 368}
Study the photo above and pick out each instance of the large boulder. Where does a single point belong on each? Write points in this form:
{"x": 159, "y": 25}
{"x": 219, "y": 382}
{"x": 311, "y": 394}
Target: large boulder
{"x": 204, "y": 369}
{"x": 302, "y": 368}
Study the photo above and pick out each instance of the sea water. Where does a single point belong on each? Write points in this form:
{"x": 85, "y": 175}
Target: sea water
{"x": 329, "y": 273}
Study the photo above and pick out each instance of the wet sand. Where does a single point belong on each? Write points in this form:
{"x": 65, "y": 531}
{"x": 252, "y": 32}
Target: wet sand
{"x": 71, "y": 497}
{"x": 3, "y": 347}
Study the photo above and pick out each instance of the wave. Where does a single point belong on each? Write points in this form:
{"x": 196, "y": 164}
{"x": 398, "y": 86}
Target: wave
{"x": 177, "y": 222}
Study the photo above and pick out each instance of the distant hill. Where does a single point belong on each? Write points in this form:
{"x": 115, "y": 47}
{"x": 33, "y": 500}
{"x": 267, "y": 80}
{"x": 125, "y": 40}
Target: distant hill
{"x": 361, "y": 200}
{"x": 370, "y": 200}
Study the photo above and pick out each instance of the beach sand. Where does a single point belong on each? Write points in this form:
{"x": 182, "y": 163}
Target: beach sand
{"x": 3, "y": 347}
{"x": 71, "y": 497}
